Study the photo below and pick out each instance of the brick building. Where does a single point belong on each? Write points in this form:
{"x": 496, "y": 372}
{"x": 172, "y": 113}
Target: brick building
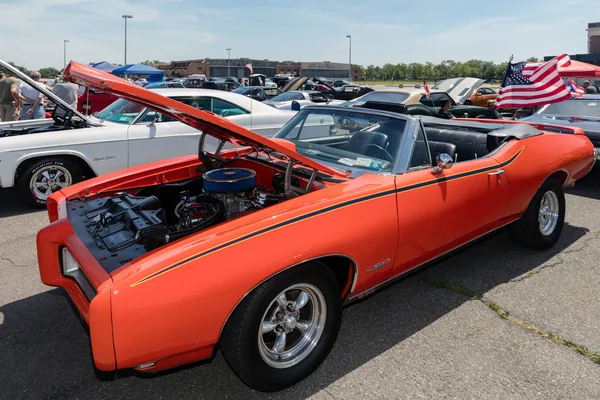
{"x": 218, "y": 67}
{"x": 593, "y": 31}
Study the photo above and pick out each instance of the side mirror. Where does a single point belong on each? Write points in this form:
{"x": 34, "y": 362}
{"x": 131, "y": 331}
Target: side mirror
{"x": 443, "y": 161}
{"x": 295, "y": 106}
{"x": 157, "y": 118}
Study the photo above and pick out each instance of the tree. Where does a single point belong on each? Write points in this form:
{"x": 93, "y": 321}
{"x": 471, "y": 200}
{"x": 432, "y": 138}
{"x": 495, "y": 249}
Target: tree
{"x": 533, "y": 59}
{"x": 49, "y": 72}
{"x": 20, "y": 68}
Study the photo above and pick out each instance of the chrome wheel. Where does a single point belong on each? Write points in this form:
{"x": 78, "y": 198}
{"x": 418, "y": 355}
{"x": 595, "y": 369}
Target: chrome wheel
{"x": 292, "y": 325}
{"x": 549, "y": 212}
{"x": 48, "y": 180}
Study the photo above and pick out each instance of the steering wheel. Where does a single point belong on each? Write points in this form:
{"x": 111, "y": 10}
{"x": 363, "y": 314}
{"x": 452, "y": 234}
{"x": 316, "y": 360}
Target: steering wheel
{"x": 387, "y": 156}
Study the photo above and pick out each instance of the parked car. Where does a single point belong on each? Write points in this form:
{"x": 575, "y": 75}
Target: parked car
{"x": 90, "y": 101}
{"x": 581, "y": 112}
{"x": 340, "y": 83}
{"x": 481, "y": 97}
{"x": 254, "y": 251}
{"x": 259, "y": 93}
{"x": 39, "y": 157}
{"x": 165, "y": 84}
{"x": 346, "y": 93}
{"x": 301, "y": 98}
{"x": 194, "y": 83}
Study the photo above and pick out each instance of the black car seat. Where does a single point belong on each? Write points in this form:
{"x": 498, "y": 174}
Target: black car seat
{"x": 469, "y": 145}
{"x": 437, "y": 148}
{"x": 368, "y": 143}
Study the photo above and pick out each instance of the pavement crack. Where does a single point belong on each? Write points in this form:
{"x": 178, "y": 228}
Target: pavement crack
{"x": 582, "y": 350}
{"x": 537, "y": 271}
{"x": 14, "y": 264}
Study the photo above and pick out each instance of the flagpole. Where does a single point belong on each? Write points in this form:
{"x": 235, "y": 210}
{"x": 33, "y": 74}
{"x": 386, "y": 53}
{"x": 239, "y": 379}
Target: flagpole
{"x": 429, "y": 96}
{"x": 504, "y": 78}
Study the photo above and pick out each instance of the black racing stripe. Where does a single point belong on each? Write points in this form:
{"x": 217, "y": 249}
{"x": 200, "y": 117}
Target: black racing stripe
{"x": 325, "y": 210}
{"x": 267, "y": 229}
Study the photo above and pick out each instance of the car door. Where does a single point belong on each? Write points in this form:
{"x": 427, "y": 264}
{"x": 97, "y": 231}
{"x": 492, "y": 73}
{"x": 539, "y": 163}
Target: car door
{"x": 154, "y": 137}
{"x": 439, "y": 212}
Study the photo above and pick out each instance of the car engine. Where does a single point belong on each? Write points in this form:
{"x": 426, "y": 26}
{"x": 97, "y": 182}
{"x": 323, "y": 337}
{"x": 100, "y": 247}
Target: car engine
{"x": 122, "y": 227}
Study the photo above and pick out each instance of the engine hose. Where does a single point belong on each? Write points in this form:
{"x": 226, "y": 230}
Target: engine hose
{"x": 219, "y": 216}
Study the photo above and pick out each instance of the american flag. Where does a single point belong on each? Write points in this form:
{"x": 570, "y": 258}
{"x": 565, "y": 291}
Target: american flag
{"x": 249, "y": 66}
{"x": 426, "y": 90}
{"x": 576, "y": 90}
{"x": 525, "y": 85}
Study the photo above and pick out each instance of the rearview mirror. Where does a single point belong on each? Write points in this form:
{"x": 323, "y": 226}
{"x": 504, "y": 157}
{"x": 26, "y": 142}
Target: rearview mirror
{"x": 443, "y": 161}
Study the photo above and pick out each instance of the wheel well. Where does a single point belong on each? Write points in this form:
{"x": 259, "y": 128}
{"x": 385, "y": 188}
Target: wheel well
{"x": 344, "y": 270}
{"x": 86, "y": 170}
{"x": 562, "y": 176}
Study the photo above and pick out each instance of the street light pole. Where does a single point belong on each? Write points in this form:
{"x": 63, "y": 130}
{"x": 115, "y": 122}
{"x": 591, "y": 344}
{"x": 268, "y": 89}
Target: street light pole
{"x": 65, "y": 41}
{"x": 350, "y": 58}
{"x": 228, "y": 62}
{"x": 126, "y": 17}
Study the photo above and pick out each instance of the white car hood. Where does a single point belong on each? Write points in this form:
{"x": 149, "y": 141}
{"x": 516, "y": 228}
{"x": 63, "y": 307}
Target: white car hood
{"x": 458, "y": 88}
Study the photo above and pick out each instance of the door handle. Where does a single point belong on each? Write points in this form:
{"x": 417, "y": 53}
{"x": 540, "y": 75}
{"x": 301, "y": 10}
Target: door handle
{"x": 499, "y": 172}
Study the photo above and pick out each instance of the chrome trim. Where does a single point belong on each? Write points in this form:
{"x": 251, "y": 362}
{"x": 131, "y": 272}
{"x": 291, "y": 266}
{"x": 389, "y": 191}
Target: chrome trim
{"x": 597, "y": 153}
{"x": 354, "y": 280}
{"x": 374, "y": 288}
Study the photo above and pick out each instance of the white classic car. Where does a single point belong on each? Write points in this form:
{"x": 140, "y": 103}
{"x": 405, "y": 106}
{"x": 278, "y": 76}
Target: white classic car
{"x": 39, "y": 157}
{"x": 302, "y": 98}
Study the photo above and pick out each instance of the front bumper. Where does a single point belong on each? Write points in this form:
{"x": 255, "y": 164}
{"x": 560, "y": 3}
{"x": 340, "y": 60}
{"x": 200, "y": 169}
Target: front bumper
{"x": 89, "y": 288}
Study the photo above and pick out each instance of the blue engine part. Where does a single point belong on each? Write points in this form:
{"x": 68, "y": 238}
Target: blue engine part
{"x": 229, "y": 180}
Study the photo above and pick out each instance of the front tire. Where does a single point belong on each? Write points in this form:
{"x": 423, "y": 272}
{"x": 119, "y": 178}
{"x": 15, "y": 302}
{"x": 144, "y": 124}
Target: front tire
{"x": 285, "y": 328}
{"x": 542, "y": 223}
{"x": 38, "y": 180}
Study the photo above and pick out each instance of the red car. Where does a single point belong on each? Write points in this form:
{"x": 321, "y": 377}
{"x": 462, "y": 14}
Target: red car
{"x": 90, "y": 101}
{"x": 254, "y": 250}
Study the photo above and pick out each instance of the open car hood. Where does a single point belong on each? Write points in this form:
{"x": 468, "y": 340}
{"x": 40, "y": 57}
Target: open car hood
{"x": 207, "y": 122}
{"x": 42, "y": 89}
{"x": 294, "y": 84}
{"x": 458, "y": 88}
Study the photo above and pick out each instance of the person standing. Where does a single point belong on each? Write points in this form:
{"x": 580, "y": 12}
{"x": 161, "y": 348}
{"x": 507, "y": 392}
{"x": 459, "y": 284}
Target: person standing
{"x": 589, "y": 89}
{"x": 31, "y": 99}
{"x": 67, "y": 92}
{"x": 9, "y": 99}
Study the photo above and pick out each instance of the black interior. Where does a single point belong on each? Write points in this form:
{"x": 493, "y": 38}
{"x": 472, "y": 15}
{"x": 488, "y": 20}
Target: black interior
{"x": 437, "y": 148}
{"x": 368, "y": 143}
{"x": 469, "y": 145}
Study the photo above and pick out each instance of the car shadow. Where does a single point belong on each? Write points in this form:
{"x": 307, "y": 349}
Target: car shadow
{"x": 11, "y": 205}
{"x": 589, "y": 185}
{"x": 46, "y": 353}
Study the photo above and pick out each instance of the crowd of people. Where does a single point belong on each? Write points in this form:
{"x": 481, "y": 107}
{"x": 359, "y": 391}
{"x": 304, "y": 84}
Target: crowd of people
{"x": 21, "y": 101}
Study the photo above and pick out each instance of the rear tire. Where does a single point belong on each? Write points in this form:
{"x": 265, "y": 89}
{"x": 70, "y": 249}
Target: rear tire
{"x": 542, "y": 223}
{"x": 39, "y": 179}
{"x": 271, "y": 346}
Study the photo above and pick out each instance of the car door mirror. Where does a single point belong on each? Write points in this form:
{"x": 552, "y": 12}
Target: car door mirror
{"x": 156, "y": 118}
{"x": 443, "y": 161}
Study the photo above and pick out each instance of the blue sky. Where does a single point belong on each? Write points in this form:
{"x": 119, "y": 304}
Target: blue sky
{"x": 382, "y": 30}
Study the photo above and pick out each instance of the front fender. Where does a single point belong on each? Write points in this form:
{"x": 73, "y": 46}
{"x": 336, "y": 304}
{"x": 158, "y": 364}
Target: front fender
{"x": 178, "y": 299}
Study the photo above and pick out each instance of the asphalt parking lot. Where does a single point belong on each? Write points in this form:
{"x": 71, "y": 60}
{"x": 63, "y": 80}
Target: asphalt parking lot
{"x": 496, "y": 321}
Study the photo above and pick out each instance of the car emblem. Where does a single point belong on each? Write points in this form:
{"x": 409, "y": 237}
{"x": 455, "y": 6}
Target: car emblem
{"x": 379, "y": 265}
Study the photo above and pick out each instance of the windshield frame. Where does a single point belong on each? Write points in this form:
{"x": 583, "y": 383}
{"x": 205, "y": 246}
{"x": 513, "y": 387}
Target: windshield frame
{"x": 405, "y": 147}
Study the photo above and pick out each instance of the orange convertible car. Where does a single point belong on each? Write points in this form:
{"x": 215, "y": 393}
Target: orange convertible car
{"x": 255, "y": 249}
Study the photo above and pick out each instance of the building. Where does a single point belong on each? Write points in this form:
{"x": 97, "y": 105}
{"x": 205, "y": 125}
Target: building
{"x": 222, "y": 67}
{"x": 593, "y": 31}
{"x": 330, "y": 70}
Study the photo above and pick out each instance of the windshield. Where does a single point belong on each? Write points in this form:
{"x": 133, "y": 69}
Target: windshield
{"x": 288, "y": 96}
{"x": 383, "y": 97}
{"x": 241, "y": 90}
{"x": 121, "y": 111}
{"x": 350, "y": 139}
{"x": 575, "y": 108}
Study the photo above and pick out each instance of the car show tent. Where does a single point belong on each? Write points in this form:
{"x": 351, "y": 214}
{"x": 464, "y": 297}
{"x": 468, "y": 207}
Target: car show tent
{"x": 578, "y": 69}
{"x": 105, "y": 66}
{"x": 153, "y": 74}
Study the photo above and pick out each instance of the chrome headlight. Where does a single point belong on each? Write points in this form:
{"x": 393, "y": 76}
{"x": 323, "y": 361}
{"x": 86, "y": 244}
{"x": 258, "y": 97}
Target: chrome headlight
{"x": 69, "y": 265}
